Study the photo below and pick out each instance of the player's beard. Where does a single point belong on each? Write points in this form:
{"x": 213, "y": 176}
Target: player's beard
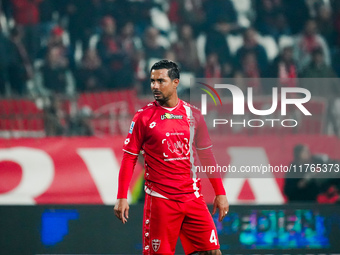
{"x": 160, "y": 98}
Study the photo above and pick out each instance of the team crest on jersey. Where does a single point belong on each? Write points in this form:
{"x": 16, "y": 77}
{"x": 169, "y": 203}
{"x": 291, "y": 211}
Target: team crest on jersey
{"x": 170, "y": 116}
{"x": 191, "y": 121}
{"x": 131, "y": 127}
{"x": 156, "y": 243}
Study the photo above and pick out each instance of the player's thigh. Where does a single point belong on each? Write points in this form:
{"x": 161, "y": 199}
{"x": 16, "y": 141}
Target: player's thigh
{"x": 198, "y": 232}
{"x": 161, "y": 225}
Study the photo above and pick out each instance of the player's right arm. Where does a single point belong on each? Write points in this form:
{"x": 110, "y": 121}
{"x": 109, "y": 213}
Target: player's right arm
{"x": 132, "y": 145}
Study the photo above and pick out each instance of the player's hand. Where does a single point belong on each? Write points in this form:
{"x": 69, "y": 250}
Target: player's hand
{"x": 122, "y": 209}
{"x": 221, "y": 203}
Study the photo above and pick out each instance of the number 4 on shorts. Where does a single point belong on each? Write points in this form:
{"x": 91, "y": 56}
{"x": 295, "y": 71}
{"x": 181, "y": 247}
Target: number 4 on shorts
{"x": 213, "y": 238}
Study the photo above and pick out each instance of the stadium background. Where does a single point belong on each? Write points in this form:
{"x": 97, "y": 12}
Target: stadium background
{"x": 73, "y": 73}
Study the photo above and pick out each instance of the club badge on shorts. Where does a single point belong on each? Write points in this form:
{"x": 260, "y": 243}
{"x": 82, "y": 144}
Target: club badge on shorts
{"x": 156, "y": 243}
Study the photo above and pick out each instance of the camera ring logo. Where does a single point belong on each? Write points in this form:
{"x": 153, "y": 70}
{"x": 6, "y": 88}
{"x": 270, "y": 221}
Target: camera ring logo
{"x": 209, "y": 93}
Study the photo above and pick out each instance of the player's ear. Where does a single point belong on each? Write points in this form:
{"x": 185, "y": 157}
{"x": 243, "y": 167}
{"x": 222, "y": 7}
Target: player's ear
{"x": 175, "y": 82}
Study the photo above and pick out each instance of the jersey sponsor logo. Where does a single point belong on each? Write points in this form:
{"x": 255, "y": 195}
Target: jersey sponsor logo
{"x": 156, "y": 243}
{"x": 127, "y": 140}
{"x": 131, "y": 127}
{"x": 152, "y": 125}
{"x": 170, "y": 116}
{"x": 169, "y": 134}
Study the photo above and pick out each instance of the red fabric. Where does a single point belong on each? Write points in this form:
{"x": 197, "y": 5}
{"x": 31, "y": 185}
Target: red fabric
{"x": 125, "y": 174}
{"x": 174, "y": 11}
{"x": 331, "y": 196}
{"x": 287, "y": 74}
{"x": 165, "y": 219}
{"x": 164, "y": 135}
{"x": 26, "y": 12}
{"x": 207, "y": 159}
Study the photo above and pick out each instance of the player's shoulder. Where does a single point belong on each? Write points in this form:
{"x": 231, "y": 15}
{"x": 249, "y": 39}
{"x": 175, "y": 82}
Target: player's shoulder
{"x": 193, "y": 108}
{"x": 145, "y": 110}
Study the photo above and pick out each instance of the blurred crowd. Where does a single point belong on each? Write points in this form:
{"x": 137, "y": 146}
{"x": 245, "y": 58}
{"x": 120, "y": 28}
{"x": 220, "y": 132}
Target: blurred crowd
{"x": 314, "y": 177}
{"x": 74, "y": 46}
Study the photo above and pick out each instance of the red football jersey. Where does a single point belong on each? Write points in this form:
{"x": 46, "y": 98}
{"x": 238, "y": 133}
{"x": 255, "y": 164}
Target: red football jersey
{"x": 169, "y": 138}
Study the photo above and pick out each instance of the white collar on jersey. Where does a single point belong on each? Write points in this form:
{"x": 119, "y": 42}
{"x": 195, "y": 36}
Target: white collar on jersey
{"x": 167, "y": 108}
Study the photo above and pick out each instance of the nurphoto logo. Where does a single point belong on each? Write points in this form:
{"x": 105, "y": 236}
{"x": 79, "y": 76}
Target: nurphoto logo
{"x": 294, "y": 96}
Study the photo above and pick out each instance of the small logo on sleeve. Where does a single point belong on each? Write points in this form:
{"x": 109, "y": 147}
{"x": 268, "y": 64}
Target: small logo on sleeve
{"x": 152, "y": 125}
{"x": 131, "y": 127}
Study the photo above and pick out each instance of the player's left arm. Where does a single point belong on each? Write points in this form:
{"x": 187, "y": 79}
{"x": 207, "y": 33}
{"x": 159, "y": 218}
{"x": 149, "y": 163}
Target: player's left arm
{"x": 220, "y": 202}
{"x": 206, "y": 156}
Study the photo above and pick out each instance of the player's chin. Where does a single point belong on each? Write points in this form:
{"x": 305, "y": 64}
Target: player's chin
{"x": 159, "y": 98}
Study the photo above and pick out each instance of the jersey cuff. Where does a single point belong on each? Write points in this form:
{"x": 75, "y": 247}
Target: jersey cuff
{"x": 204, "y": 148}
{"x": 131, "y": 152}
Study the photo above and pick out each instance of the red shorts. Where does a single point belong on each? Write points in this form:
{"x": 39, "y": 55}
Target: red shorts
{"x": 165, "y": 220}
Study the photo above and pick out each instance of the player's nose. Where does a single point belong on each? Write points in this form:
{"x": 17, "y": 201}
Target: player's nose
{"x": 155, "y": 85}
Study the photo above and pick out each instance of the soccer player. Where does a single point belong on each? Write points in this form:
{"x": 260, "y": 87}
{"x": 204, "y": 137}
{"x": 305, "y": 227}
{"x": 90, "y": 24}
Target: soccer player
{"x": 172, "y": 136}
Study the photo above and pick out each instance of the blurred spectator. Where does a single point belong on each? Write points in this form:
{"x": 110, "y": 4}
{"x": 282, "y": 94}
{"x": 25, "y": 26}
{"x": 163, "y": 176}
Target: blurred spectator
{"x": 81, "y": 20}
{"x": 186, "y": 50}
{"x": 308, "y": 41}
{"x": 55, "y": 117}
{"x": 26, "y": 14}
{"x": 139, "y": 14}
{"x": 119, "y": 10}
{"x": 213, "y": 67}
{"x": 47, "y": 10}
{"x": 152, "y": 46}
{"x": 251, "y": 45}
{"x": 56, "y": 40}
{"x": 217, "y": 43}
{"x": 318, "y": 69}
{"x": 220, "y": 11}
{"x": 129, "y": 42}
{"x": 108, "y": 45}
{"x": 325, "y": 24}
{"x": 284, "y": 68}
{"x": 92, "y": 75}
{"x": 56, "y": 74}
{"x": 228, "y": 70}
{"x": 186, "y": 12}
{"x": 297, "y": 14}
{"x": 113, "y": 56}
{"x": 299, "y": 186}
{"x": 280, "y": 27}
{"x": 20, "y": 68}
{"x": 141, "y": 73}
{"x": 270, "y": 18}
{"x": 251, "y": 70}
{"x": 5, "y": 54}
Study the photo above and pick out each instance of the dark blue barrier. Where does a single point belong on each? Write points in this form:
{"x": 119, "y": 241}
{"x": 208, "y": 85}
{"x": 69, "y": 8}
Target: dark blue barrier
{"x": 87, "y": 229}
